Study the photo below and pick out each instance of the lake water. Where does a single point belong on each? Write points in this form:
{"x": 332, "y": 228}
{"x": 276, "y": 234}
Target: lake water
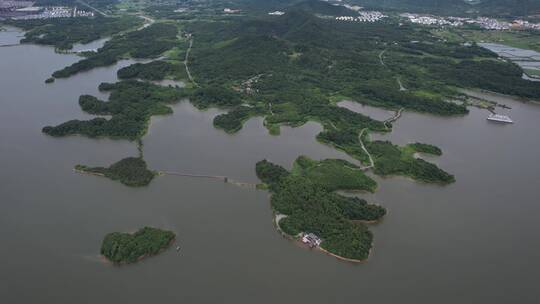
{"x": 475, "y": 241}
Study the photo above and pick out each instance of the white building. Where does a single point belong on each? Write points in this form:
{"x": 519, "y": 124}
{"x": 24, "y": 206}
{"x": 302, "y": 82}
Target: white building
{"x": 311, "y": 240}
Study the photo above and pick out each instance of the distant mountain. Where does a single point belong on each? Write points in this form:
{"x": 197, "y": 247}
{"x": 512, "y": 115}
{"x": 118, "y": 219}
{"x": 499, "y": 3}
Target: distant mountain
{"x": 512, "y": 7}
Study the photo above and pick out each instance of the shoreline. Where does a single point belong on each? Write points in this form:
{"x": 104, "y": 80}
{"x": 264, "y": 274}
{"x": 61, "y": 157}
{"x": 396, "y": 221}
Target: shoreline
{"x": 277, "y": 217}
{"x": 467, "y": 92}
{"x": 356, "y": 261}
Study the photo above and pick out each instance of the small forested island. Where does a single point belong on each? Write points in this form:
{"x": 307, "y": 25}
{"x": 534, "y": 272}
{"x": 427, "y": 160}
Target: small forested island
{"x": 125, "y": 248}
{"x": 131, "y": 171}
{"x": 307, "y": 204}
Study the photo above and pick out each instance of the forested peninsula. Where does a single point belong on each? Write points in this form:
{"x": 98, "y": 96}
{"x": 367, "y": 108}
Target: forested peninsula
{"x": 307, "y": 203}
{"x": 131, "y": 105}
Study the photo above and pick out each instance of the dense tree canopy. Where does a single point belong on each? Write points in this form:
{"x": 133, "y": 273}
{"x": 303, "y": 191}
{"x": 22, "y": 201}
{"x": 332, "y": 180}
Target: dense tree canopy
{"x": 129, "y": 248}
{"x": 393, "y": 160}
{"x": 155, "y": 70}
{"x": 310, "y": 206}
{"x": 149, "y": 42}
{"x": 131, "y": 171}
{"x": 131, "y": 104}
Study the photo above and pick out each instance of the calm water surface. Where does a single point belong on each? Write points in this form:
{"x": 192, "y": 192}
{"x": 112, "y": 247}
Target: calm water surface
{"x": 476, "y": 241}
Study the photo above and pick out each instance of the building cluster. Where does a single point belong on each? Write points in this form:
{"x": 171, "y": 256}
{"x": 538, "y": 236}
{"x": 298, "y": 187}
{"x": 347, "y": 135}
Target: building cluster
{"x": 526, "y": 25}
{"x": 432, "y": 20}
{"x": 483, "y": 22}
{"x": 491, "y": 24}
{"x": 363, "y": 16}
{"x": 52, "y": 12}
{"x": 247, "y": 86}
{"x": 311, "y": 240}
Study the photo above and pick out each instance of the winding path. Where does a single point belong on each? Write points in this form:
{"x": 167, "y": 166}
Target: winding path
{"x": 401, "y": 87}
{"x": 186, "y": 60}
{"x": 398, "y": 79}
{"x": 371, "y": 162}
{"x": 381, "y": 57}
{"x": 148, "y": 21}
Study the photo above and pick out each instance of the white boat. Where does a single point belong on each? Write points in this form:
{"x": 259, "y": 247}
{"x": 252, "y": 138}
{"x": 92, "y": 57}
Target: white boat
{"x": 500, "y": 118}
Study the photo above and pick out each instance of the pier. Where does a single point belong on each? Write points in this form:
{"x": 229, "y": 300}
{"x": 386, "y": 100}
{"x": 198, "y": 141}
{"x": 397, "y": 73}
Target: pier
{"x": 10, "y": 45}
{"x": 225, "y": 179}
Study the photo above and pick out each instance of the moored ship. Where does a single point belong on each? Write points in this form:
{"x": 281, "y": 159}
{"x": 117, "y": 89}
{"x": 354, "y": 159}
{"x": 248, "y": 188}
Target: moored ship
{"x": 500, "y": 118}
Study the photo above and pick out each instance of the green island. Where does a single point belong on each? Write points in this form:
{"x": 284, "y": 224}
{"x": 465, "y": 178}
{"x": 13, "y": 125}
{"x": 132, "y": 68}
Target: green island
{"x": 62, "y": 33}
{"x": 130, "y": 171}
{"x": 125, "y": 248}
{"x": 309, "y": 206}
